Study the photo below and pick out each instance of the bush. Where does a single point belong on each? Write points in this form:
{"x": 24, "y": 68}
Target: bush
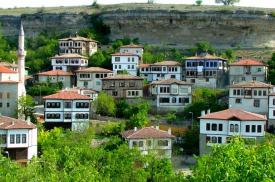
{"x": 171, "y": 117}
{"x": 112, "y": 128}
{"x": 44, "y": 89}
{"x": 105, "y": 104}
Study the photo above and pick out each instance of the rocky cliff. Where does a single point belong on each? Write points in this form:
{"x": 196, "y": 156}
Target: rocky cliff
{"x": 163, "y": 26}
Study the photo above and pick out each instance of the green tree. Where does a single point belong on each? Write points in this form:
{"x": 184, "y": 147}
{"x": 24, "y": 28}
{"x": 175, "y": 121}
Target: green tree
{"x": 227, "y": 2}
{"x": 97, "y": 59}
{"x": 230, "y": 55}
{"x": 190, "y": 144}
{"x": 198, "y": 2}
{"x": 236, "y": 162}
{"x": 105, "y": 104}
{"x": 26, "y": 107}
{"x": 271, "y": 69}
{"x": 202, "y": 47}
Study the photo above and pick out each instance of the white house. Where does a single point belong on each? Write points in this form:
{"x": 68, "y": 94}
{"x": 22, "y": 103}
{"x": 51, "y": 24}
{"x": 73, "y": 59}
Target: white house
{"x": 12, "y": 83}
{"x": 125, "y": 62}
{"x": 69, "y": 62}
{"x": 18, "y": 139}
{"x": 271, "y": 111}
{"x": 68, "y": 109}
{"x": 247, "y": 70}
{"x": 171, "y": 94}
{"x": 161, "y": 71}
{"x": 150, "y": 139}
{"x": 206, "y": 71}
{"x": 132, "y": 48}
{"x": 77, "y": 45}
{"x": 55, "y": 76}
{"x": 91, "y": 77}
{"x": 218, "y": 127}
{"x": 251, "y": 96}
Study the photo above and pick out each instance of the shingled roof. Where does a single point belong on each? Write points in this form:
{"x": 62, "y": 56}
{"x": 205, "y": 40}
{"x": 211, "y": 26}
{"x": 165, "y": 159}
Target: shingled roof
{"x": 132, "y": 46}
{"x": 124, "y": 54}
{"x": 169, "y": 82}
{"x": 67, "y": 95}
{"x": 7, "y": 123}
{"x": 4, "y": 69}
{"x": 205, "y": 57}
{"x": 247, "y": 62}
{"x": 69, "y": 56}
{"x": 251, "y": 84}
{"x": 147, "y": 132}
{"x": 122, "y": 77}
{"x": 94, "y": 70}
{"x": 167, "y": 63}
{"x": 55, "y": 73}
{"x": 235, "y": 113}
{"x": 78, "y": 38}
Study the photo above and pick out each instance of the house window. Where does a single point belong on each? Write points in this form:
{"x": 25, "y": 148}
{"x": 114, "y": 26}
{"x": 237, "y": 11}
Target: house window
{"x": 260, "y": 93}
{"x": 264, "y": 92}
{"x": 114, "y": 93}
{"x": 132, "y": 84}
{"x": 117, "y": 59}
{"x": 8, "y": 95}
{"x": 67, "y": 105}
{"x": 68, "y": 116}
{"x": 255, "y": 92}
{"x": 128, "y": 59}
{"x": 256, "y": 103}
{"x": 140, "y": 144}
{"x": 53, "y": 116}
{"x": 208, "y": 138}
{"x": 12, "y": 139}
{"x": 214, "y": 127}
{"x": 53, "y": 104}
{"x": 220, "y": 127}
{"x": 234, "y": 92}
{"x": 207, "y": 126}
{"x": 82, "y": 105}
{"x": 163, "y": 143}
{"x": 122, "y": 84}
{"x": 174, "y": 100}
{"x": 259, "y": 70}
{"x": 247, "y": 128}
{"x": 236, "y": 128}
{"x": 231, "y": 127}
{"x": 112, "y": 84}
{"x": 273, "y": 101}
{"x": 164, "y": 100}
{"x": 173, "y": 76}
{"x": 243, "y": 78}
{"x": 214, "y": 139}
{"x": 18, "y": 138}
{"x": 3, "y": 139}
{"x": 259, "y": 129}
{"x": 219, "y": 139}
{"x": 254, "y": 78}
{"x": 134, "y": 143}
{"x": 24, "y": 138}
{"x": 8, "y": 104}
{"x": 253, "y": 129}
{"x": 164, "y": 89}
{"x": 238, "y": 101}
{"x": 149, "y": 143}
{"x": 1, "y": 105}
{"x": 273, "y": 112}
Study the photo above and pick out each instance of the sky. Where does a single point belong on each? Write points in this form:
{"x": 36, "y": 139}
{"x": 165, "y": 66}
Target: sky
{"x": 51, "y": 3}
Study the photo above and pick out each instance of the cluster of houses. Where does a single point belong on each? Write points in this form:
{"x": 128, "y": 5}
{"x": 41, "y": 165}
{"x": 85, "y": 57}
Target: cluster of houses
{"x": 170, "y": 83}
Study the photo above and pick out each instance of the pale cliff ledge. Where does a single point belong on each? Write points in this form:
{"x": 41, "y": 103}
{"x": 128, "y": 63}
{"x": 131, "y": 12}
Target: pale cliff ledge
{"x": 134, "y": 6}
{"x": 179, "y": 26}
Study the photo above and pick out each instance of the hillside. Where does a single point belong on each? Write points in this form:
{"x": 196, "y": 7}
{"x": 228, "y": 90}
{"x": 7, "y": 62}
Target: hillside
{"x": 179, "y": 26}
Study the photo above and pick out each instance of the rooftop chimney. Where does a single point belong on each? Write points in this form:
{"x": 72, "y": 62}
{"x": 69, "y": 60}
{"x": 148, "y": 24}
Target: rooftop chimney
{"x": 135, "y": 128}
{"x": 169, "y": 131}
{"x": 157, "y": 127}
{"x": 28, "y": 120}
{"x": 203, "y": 113}
{"x": 208, "y": 111}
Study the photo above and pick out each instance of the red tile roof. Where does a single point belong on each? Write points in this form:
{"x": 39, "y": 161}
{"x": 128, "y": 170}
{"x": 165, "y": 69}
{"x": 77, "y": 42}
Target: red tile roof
{"x": 122, "y": 77}
{"x": 55, "y": 73}
{"x": 167, "y": 63}
{"x": 124, "y": 54}
{"x": 12, "y": 123}
{"x": 67, "y": 95}
{"x": 170, "y": 81}
{"x": 147, "y": 132}
{"x": 144, "y": 65}
{"x": 4, "y": 69}
{"x": 235, "y": 113}
{"x": 205, "y": 57}
{"x": 132, "y": 46}
{"x": 251, "y": 84}
{"x": 69, "y": 56}
{"x": 247, "y": 62}
{"x": 94, "y": 70}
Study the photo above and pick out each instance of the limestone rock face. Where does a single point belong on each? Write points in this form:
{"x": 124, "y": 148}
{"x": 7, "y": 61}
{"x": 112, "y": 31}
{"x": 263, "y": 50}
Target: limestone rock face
{"x": 173, "y": 28}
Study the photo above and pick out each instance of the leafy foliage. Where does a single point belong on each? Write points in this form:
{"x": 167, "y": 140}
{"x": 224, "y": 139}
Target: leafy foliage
{"x": 191, "y": 141}
{"x": 44, "y": 89}
{"x": 68, "y": 156}
{"x": 236, "y": 162}
{"x": 105, "y": 104}
{"x": 26, "y": 108}
{"x": 203, "y": 99}
{"x": 271, "y": 69}
{"x": 228, "y": 2}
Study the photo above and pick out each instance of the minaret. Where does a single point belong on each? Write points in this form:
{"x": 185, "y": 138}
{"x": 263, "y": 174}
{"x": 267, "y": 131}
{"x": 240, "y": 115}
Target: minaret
{"x": 21, "y": 53}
